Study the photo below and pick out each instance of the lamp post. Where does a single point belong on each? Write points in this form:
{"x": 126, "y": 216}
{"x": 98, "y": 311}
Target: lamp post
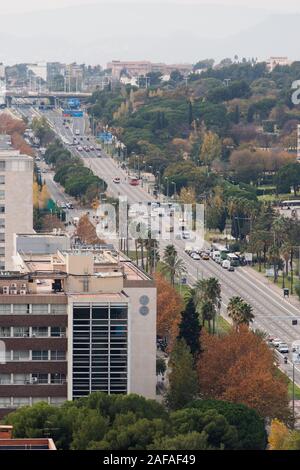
{"x": 175, "y": 189}
{"x": 167, "y": 179}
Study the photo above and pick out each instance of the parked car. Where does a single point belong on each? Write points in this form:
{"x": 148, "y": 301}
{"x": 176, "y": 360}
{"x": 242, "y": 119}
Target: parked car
{"x": 276, "y": 342}
{"x": 283, "y": 348}
{"x": 195, "y": 256}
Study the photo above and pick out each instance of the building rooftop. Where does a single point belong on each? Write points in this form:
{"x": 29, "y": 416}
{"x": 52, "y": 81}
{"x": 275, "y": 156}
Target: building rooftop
{"x": 8, "y": 443}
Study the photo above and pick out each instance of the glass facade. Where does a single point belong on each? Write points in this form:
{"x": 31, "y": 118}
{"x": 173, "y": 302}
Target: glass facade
{"x": 100, "y": 348}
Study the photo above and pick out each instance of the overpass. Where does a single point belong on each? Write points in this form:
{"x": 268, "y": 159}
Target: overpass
{"x": 52, "y": 96}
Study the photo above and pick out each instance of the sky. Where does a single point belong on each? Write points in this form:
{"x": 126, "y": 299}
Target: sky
{"x": 173, "y": 31}
{"x": 29, "y": 5}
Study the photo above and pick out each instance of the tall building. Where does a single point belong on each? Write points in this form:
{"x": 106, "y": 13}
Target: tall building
{"x": 16, "y": 199}
{"x": 75, "y": 322}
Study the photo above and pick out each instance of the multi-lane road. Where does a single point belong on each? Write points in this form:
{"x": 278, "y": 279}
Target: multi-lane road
{"x": 273, "y": 313}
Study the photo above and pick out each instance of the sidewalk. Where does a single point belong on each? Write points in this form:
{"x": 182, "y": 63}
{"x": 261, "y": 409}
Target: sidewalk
{"x": 292, "y": 300}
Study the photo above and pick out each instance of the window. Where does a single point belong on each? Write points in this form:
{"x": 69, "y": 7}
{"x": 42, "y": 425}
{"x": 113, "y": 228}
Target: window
{"x": 2, "y": 195}
{"x": 21, "y": 355}
{"x": 5, "y": 402}
{"x": 40, "y": 355}
{"x": 4, "y": 379}
{"x": 21, "y": 379}
{"x": 40, "y": 309}
{"x": 57, "y": 400}
{"x": 21, "y": 401}
{"x": 4, "y": 331}
{"x": 58, "y": 379}
{"x": 40, "y": 331}
{"x": 2, "y": 237}
{"x": 21, "y": 309}
{"x": 2, "y": 165}
{"x": 5, "y": 309}
{"x": 2, "y": 223}
{"x": 59, "y": 309}
{"x": 21, "y": 331}
{"x": 2, "y": 209}
{"x": 58, "y": 356}
{"x": 37, "y": 400}
{"x": 58, "y": 331}
{"x": 2, "y": 179}
{"x": 39, "y": 378}
{"x": 2, "y": 251}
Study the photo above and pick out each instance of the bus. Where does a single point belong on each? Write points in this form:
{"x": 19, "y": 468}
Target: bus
{"x": 134, "y": 181}
{"x": 234, "y": 259}
{"x": 290, "y": 204}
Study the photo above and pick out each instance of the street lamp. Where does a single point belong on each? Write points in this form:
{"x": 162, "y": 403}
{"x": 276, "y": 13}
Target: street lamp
{"x": 167, "y": 179}
{"x": 175, "y": 189}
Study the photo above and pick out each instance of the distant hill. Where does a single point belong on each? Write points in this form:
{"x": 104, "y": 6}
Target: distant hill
{"x": 171, "y": 33}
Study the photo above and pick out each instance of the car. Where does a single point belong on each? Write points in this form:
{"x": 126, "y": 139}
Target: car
{"x": 186, "y": 235}
{"x": 276, "y": 342}
{"x": 231, "y": 268}
{"x": 92, "y": 148}
{"x": 205, "y": 256}
{"x": 195, "y": 256}
{"x": 69, "y": 205}
{"x": 99, "y": 154}
{"x": 283, "y": 348}
{"x": 79, "y": 148}
{"x": 116, "y": 180}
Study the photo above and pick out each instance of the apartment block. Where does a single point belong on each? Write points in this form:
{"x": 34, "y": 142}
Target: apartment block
{"x": 75, "y": 322}
{"x": 16, "y": 198}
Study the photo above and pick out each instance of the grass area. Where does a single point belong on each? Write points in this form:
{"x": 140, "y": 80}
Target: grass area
{"x": 274, "y": 197}
{"x": 279, "y": 281}
{"x": 290, "y": 386}
{"x": 223, "y": 326}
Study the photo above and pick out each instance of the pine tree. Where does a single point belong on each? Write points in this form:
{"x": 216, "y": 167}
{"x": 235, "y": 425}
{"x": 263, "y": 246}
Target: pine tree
{"x": 189, "y": 328}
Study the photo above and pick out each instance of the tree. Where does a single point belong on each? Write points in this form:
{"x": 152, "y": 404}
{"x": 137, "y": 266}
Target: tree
{"x": 288, "y": 177}
{"x": 173, "y": 265}
{"x": 189, "y": 328}
{"x": 211, "y": 148}
{"x": 250, "y": 426}
{"x": 240, "y": 312}
{"x": 279, "y": 433}
{"x": 169, "y": 308}
{"x": 51, "y": 222}
{"x": 239, "y": 367}
{"x": 160, "y": 366}
{"x": 86, "y": 231}
{"x": 182, "y": 377}
{"x": 207, "y": 298}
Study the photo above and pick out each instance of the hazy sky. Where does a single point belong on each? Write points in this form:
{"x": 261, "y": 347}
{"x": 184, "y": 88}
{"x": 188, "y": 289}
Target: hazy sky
{"x": 21, "y": 5}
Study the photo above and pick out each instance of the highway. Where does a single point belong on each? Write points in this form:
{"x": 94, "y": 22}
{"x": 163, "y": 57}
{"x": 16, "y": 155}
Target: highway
{"x": 273, "y": 314}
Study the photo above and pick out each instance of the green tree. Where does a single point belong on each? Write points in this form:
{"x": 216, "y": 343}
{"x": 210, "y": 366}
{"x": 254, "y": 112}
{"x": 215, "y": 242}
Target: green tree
{"x": 189, "y": 327}
{"x": 183, "y": 384}
{"x": 173, "y": 265}
{"x": 240, "y": 312}
{"x": 211, "y": 148}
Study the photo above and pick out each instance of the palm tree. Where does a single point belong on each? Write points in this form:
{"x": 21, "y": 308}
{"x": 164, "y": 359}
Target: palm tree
{"x": 207, "y": 298}
{"x": 240, "y": 312}
{"x": 173, "y": 265}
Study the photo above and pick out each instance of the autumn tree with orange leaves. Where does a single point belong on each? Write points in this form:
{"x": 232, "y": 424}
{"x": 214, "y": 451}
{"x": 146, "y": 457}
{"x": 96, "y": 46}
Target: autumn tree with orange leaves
{"x": 86, "y": 231}
{"x": 169, "y": 308}
{"x": 240, "y": 368}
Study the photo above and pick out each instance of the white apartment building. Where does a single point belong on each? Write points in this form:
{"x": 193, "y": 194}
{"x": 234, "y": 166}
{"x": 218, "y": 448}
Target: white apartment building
{"x": 16, "y": 198}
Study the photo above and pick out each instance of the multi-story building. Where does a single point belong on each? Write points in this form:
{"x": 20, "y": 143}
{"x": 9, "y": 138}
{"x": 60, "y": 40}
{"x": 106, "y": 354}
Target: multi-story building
{"x": 142, "y": 68}
{"x": 75, "y": 322}
{"x": 16, "y": 199}
{"x": 272, "y": 62}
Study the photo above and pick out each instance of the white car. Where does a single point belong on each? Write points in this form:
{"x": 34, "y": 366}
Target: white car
{"x": 195, "y": 256}
{"x": 79, "y": 148}
{"x": 276, "y": 342}
{"x": 117, "y": 180}
{"x": 283, "y": 348}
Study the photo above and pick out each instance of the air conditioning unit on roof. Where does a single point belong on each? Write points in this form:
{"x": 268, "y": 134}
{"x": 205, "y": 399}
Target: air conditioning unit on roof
{"x": 23, "y": 292}
{"x": 5, "y": 290}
